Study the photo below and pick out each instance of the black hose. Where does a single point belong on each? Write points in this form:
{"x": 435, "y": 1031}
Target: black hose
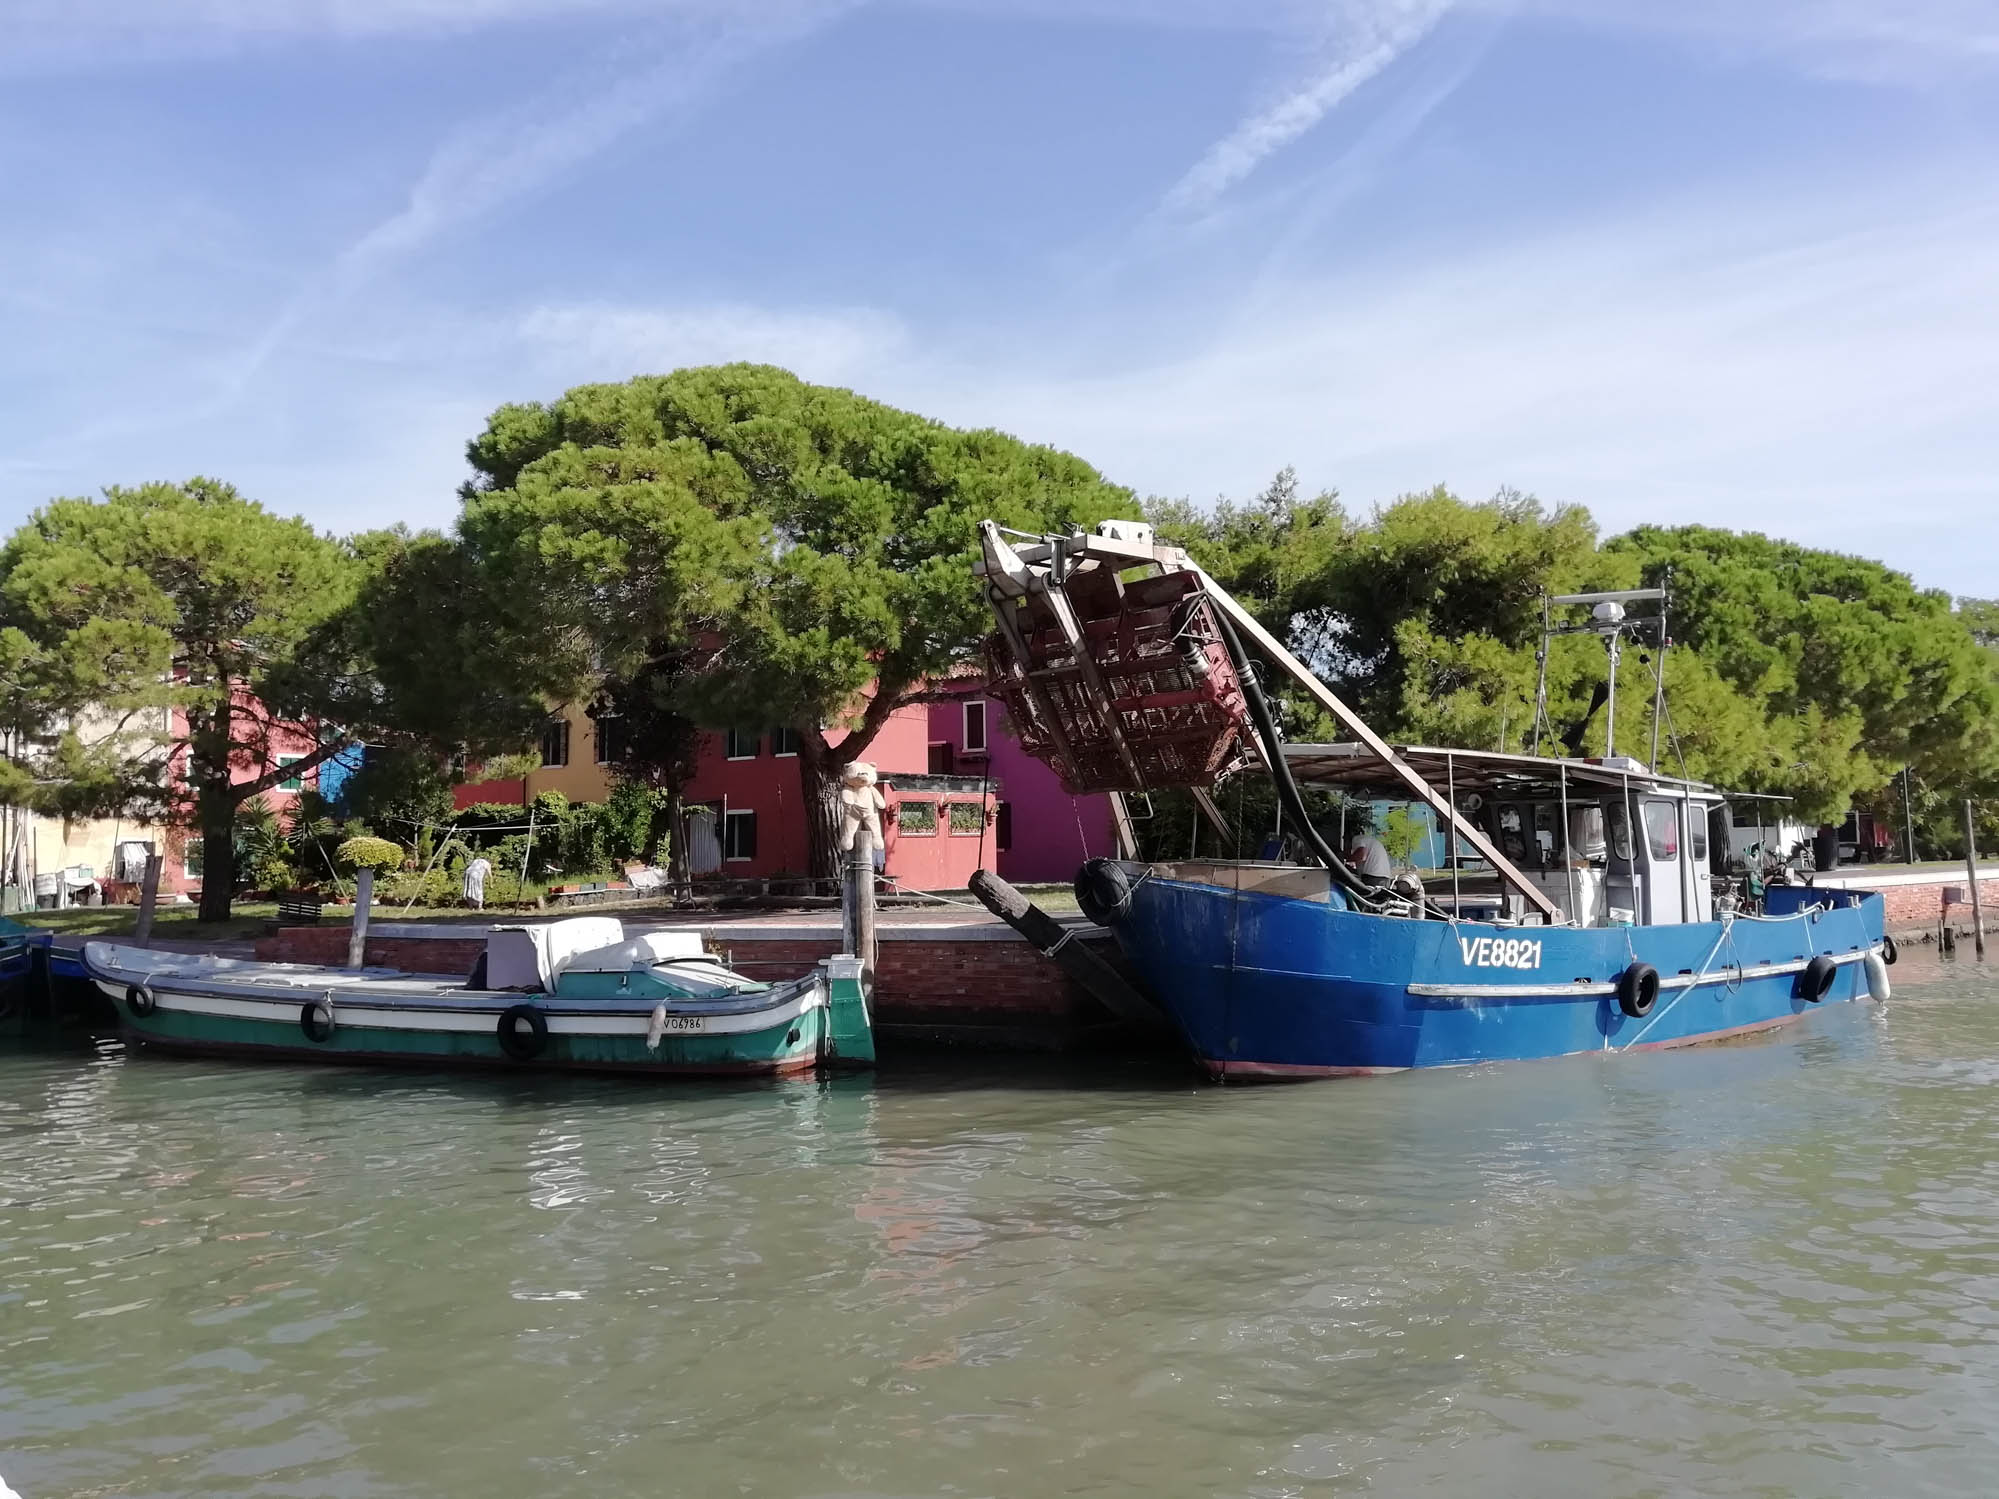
{"x": 1361, "y": 893}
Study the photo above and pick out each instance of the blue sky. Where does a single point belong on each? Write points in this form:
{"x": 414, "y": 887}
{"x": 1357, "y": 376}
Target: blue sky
{"x": 1731, "y": 261}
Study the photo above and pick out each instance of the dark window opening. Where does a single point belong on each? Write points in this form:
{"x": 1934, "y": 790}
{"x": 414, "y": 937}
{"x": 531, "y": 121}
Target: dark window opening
{"x": 555, "y": 742}
{"x": 739, "y": 835}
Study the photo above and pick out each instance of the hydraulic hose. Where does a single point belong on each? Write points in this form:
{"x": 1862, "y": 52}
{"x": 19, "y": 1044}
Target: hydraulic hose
{"x": 1357, "y": 890}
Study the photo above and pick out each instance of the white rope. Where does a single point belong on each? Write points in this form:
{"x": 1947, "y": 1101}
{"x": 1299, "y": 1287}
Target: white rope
{"x": 888, "y": 879}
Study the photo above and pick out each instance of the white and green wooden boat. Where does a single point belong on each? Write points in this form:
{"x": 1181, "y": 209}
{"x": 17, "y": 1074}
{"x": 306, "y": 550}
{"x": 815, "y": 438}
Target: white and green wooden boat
{"x": 574, "y": 994}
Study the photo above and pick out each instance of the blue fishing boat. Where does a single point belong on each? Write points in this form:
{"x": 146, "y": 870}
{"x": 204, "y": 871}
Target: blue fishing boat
{"x": 1577, "y": 910}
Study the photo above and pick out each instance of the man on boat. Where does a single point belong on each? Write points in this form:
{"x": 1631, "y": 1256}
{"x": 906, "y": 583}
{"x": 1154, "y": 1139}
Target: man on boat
{"x": 1369, "y": 858}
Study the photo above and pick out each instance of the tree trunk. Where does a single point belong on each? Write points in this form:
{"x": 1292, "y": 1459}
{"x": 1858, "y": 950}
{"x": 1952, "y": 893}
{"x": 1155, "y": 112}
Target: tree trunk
{"x": 819, "y": 767}
{"x": 210, "y": 738}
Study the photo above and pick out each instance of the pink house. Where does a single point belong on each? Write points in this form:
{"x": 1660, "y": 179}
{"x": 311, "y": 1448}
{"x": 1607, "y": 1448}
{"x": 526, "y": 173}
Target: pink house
{"x": 262, "y": 744}
{"x": 1042, "y": 833}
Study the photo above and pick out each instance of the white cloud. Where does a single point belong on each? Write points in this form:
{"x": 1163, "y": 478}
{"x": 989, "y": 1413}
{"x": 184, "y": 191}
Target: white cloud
{"x": 586, "y": 342}
{"x": 1371, "y": 39}
{"x": 1896, "y": 41}
{"x": 1755, "y": 363}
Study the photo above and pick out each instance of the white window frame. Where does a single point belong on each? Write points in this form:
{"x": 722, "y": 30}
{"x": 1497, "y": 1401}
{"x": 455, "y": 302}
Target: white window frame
{"x": 727, "y": 814}
{"x": 913, "y": 802}
{"x": 729, "y": 737}
{"x": 985, "y": 726}
{"x": 568, "y": 748}
{"x": 597, "y": 738}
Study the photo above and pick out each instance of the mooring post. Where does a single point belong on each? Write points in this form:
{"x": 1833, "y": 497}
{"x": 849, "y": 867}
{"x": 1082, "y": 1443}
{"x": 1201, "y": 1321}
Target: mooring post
{"x": 860, "y": 902}
{"x": 1971, "y": 878}
{"x": 149, "y": 897}
{"x": 364, "y": 899}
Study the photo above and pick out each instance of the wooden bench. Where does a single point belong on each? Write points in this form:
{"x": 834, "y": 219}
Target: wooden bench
{"x": 299, "y": 908}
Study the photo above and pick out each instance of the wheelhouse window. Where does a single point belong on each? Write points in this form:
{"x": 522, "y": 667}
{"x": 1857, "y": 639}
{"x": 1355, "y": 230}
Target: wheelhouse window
{"x": 975, "y": 727}
{"x": 1618, "y": 818}
{"x": 917, "y": 819}
{"x": 739, "y": 836}
{"x": 1697, "y": 832}
{"x": 555, "y": 743}
{"x": 1662, "y": 829}
{"x": 740, "y": 744}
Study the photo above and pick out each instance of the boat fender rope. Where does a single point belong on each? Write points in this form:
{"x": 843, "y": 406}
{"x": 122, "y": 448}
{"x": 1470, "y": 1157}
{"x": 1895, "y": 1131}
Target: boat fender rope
{"x": 1103, "y": 890}
{"x": 1816, "y": 978}
{"x": 1638, "y": 990}
{"x": 139, "y": 1000}
{"x": 522, "y": 1046}
{"x": 656, "y": 1027}
{"x": 315, "y": 1018}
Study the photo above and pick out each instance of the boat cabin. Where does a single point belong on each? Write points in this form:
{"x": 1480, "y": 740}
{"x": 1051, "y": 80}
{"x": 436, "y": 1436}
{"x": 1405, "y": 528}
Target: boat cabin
{"x": 1608, "y": 841}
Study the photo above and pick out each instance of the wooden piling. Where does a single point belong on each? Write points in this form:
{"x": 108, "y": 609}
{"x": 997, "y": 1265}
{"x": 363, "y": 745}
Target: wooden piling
{"x": 1971, "y": 878}
{"x": 149, "y": 898}
{"x": 364, "y": 900}
{"x": 858, "y": 906}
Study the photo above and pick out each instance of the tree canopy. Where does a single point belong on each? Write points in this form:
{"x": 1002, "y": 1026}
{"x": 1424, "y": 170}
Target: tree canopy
{"x": 1792, "y": 671}
{"x": 814, "y": 547}
{"x": 167, "y": 602}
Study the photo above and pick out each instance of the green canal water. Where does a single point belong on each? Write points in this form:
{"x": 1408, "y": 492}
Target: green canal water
{"x": 1767, "y": 1268}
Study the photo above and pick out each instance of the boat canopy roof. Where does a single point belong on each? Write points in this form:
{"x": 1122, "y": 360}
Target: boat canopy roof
{"x": 1485, "y": 771}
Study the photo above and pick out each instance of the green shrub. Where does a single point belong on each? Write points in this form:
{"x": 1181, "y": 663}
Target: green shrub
{"x": 364, "y": 852}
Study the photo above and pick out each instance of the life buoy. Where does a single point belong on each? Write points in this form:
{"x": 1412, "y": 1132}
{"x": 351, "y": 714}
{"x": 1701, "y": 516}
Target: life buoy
{"x": 1638, "y": 990}
{"x": 1888, "y": 950}
{"x": 315, "y": 1018}
{"x": 1816, "y": 979}
{"x": 523, "y": 1032}
{"x": 139, "y": 1000}
{"x": 1103, "y": 890}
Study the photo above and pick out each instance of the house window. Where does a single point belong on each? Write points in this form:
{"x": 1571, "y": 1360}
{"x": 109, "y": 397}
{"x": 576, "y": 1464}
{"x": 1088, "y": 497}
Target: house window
{"x": 783, "y": 742}
{"x": 940, "y": 758}
{"x": 975, "y": 727}
{"x": 917, "y": 819}
{"x": 1003, "y": 826}
{"x": 290, "y": 783}
{"x": 967, "y": 819}
{"x": 738, "y": 744}
{"x": 739, "y": 836}
{"x": 555, "y": 742}
{"x": 190, "y": 857}
{"x": 611, "y": 739}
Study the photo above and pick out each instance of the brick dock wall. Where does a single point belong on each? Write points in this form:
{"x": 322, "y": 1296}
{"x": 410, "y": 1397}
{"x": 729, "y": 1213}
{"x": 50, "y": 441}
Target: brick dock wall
{"x": 1914, "y": 901}
{"x": 989, "y": 989}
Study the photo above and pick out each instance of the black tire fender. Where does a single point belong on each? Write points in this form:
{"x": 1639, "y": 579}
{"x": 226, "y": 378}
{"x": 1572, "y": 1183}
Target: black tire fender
{"x": 1638, "y": 990}
{"x": 523, "y": 1045}
{"x": 315, "y": 1018}
{"x": 139, "y": 1000}
{"x": 1103, "y": 890}
{"x": 1888, "y": 951}
{"x": 1816, "y": 979}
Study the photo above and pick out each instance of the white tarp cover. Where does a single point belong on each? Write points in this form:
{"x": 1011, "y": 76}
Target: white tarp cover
{"x": 527, "y": 957}
{"x": 641, "y": 951}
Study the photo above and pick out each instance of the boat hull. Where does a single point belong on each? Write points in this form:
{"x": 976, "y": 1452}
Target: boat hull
{"x": 792, "y": 1037}
{"x": 1270, "y": 987}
